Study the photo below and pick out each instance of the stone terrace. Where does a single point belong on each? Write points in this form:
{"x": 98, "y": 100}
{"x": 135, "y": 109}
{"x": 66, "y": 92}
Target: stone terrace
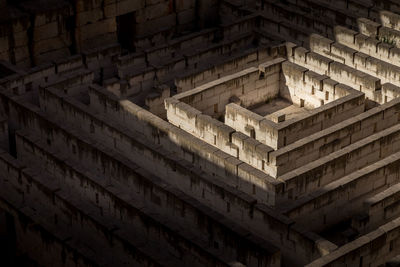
{"x": 209, "y": 133}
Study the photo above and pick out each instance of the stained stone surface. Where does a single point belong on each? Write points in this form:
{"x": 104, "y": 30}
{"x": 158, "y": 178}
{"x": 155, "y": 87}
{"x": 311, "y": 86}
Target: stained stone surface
{"x": 199, "y": 133}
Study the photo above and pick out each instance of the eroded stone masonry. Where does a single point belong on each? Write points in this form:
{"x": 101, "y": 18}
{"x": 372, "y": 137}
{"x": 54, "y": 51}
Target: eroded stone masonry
{"x": 200, "y": 133}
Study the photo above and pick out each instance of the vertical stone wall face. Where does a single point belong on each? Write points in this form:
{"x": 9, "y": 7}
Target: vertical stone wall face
{"x": 199, "y": 133}
{"x": 35, "y": 33}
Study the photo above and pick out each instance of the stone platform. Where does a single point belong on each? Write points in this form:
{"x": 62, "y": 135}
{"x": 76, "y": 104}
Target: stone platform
{"x": 200, "y": 133}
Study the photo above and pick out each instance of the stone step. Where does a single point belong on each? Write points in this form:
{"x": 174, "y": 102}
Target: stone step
{"x": 386, "y": 72}
{"x": 371, "y": 244}
{"x": 382, "y": 207}
{"x": 369, "y": 46}
{"x": 54, "y": 209}
{"x": 136, "y": 230}
{"x": 123, "y": 189}
{"x": 345, "y": 196}
{"x": 349, "y": 76}
{"x": 309, "y": 177}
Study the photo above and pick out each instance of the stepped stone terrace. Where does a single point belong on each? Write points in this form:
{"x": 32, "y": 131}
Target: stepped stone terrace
{"x": 200, "y": 133}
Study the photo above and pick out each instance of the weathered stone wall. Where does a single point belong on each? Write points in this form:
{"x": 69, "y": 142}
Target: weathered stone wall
{"x": 161, "y": 201}
{"x": 115, "y": 173}
{"x": 355, "y": 156}
{"x": 67, "y": 68}
{"x": 380, "y": 208}
{"x": 335, "y": 138}
{"x": 200, "y": 77}
{"x": 174, "y": 138}
{"x": 244, "y": 120}
{"x": 281, "y": 161}
{"x": 347, "y": 196}
{"x": 249, "y": 86}
{"x": 219, "y": 135}
{"x": 349, "y": 76}
{"x": 14, "y": 44}
{"x": 153, "y": 74}
{"x": 214, "y": 132}
{"x": 208, "y": 157}
{"x": 309, "y": 89}
{"x": 28, "y": 233}
{"x": 373, "y": 248}
{"x": 374, "y": 57}
{"x": 278, "y": 135}
{"x": 36, "y": 33}
{"x": 390, "y": 19}
{"x": 386, "y": 72}
{"x": 235, "y": 209}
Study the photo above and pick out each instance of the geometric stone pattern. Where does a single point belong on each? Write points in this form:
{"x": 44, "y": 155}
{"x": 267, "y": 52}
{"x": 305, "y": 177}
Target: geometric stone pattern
{"x": 200, "y": 133}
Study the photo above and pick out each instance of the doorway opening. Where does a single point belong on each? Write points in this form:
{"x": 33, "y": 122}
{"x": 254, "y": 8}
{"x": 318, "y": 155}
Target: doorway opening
{"x": 126, "y": 30}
